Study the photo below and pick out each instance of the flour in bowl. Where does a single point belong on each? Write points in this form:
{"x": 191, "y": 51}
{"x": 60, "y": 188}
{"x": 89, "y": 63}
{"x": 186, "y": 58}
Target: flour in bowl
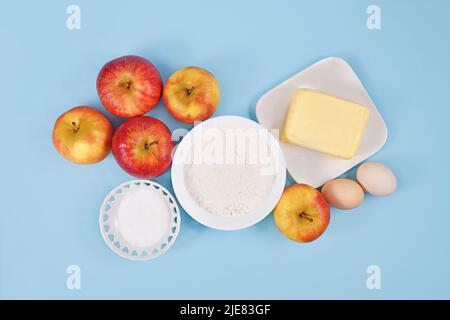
{"x": 230, "y": 177}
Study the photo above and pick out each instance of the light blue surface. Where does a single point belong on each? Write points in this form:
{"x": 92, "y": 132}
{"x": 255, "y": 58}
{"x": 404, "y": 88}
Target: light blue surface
{"x": 49, "y": 211}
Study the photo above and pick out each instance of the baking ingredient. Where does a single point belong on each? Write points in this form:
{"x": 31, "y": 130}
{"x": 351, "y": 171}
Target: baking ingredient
{"x": 343, "y": 194}
{"x": 129, "y": 86}
{"x": 377, "y": 179}
{"x": 82, "y": 135}
{"x": 142, "y": 146}
{"x": 143, "y": 217}
{"x": 302, "y": 214}
{"x": 325, "y": 123}
{"x": 227, "y": 188}
{"x": 191, "y": 94}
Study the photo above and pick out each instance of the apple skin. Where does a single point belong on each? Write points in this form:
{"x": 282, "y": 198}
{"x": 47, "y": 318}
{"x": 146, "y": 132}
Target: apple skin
{"x": 191, "y": 94}
{"x": 129, "y": 86}
{"x": 142, "y": 146}
{"x": 82, "y": 135}
{"x": 302, "y": 214}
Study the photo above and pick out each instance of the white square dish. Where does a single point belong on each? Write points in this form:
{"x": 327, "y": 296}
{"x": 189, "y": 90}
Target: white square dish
{"x": 333, "y": 76}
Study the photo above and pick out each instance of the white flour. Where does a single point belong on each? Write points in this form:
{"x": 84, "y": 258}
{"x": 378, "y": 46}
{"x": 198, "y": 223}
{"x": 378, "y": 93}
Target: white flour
{"x": 143, "y": 217}
{"x": 228, "y": 189}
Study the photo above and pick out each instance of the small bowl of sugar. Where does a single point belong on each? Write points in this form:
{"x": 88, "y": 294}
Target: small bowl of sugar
{"x": 228, "y": 172}
{"x": 139, "y": 220}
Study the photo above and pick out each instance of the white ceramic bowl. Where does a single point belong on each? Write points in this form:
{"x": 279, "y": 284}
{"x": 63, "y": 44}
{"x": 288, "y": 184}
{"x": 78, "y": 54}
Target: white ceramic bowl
{"x": 108, "y": 222}
{"x": 226, "y": 222}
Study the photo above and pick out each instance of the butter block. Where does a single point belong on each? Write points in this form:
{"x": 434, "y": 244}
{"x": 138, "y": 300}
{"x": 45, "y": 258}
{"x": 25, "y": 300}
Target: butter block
{"x": 325, "y": 123}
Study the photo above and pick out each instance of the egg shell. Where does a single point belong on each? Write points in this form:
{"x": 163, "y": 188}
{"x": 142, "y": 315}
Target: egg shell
{"x": 377, "y": 179}
{"x": 343, "y": 194}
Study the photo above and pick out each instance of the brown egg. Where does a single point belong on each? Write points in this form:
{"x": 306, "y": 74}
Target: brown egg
{"x": 343, "y": 194}
{"x": 377, "y": 179}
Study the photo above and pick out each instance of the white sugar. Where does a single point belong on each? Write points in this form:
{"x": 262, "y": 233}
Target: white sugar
{"x": 143, "y": 217}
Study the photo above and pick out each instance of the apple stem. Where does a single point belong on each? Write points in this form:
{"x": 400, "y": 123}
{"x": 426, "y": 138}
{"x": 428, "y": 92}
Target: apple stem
{"x": 148, "y": 145}
{"x": 126, "y": 84}
{"x": 305, "y": 216}
{"x": 189, "y": 91}
{"x": 76, "y": 128}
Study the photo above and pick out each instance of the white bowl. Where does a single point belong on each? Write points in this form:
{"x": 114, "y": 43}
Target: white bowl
{"x": 226, "y": 222}
{"x": 109, "y": 226}
{"x": 336, "y": 77}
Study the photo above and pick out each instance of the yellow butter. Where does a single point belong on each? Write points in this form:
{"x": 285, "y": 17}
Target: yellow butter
{"x": 325, "y": 123}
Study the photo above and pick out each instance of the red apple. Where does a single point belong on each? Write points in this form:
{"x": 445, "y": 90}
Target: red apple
{"x": 143, "y": 146}
{"x": 129, "y": 86}
{"x": 191, "y": 94}
{"x": 302, "y": 214}
{"x": 83, "y": 135}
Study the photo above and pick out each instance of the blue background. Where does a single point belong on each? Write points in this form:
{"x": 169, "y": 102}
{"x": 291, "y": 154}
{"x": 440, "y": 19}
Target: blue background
{"x": 49, "y": 207}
